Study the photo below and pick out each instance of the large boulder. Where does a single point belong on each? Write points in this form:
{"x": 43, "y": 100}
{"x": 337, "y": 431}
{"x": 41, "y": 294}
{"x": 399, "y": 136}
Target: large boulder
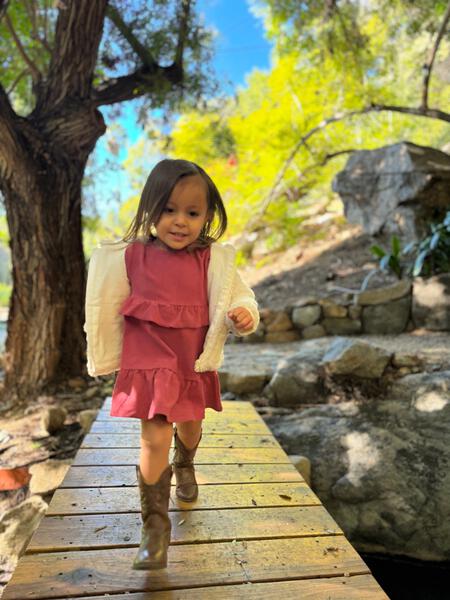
{"x": 297, "y": 379}
{"x": 381, "y": 467}
{"x": 395, "y": 189}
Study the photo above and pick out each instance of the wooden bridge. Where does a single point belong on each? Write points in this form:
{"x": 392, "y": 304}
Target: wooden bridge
{"x": 256, "y": 530}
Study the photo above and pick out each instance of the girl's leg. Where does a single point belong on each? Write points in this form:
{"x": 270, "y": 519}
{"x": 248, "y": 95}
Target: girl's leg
{"x": 156, "y": 439}
{"x": 189, "y": 432}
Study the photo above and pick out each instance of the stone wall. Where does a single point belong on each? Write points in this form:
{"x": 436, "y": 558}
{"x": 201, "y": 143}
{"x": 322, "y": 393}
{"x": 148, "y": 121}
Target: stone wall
{"x": 403, "y": 306}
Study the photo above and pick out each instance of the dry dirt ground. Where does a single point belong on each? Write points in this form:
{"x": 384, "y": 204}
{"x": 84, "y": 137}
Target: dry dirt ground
{"x": 312, "y": 269}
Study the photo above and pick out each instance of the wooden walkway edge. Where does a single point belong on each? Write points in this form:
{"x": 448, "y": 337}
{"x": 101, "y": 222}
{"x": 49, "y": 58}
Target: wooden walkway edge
{"x": 256, "y": 530}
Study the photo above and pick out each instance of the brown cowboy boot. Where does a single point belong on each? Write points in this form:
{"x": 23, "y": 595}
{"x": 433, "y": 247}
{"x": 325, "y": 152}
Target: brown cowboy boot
{"x": 156, "y": 528}
{"x": 183, "y": 467}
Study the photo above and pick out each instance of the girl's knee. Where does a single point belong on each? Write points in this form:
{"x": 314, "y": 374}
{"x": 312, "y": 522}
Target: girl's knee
{"x": 156, "y": 433}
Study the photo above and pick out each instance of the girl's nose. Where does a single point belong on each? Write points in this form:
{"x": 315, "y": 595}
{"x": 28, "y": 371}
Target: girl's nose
{"x": 179, "y": 220}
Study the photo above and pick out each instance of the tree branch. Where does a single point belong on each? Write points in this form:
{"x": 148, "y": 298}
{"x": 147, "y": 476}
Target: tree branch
{"x": 78, "y": 32}
{"x": 144, "y": 53}
{"x": 428, "y": 66}
{"x": 183, "y": 32}
{"x": 35, "y": 73}
{"x": 274, "y": 190}
{"x": 134, "y": 85}
{"x": 16, "y": 81}
{"x": 150, "y": 73}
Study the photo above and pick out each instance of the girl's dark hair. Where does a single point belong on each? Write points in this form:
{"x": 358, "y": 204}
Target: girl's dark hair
{"x": 156, "y": 193}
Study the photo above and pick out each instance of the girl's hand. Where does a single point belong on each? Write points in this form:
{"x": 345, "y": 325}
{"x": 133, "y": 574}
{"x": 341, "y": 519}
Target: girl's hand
{"x": 242, "y": 318}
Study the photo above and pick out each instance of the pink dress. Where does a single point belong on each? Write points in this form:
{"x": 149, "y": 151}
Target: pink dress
{"x": 165, "y": 323}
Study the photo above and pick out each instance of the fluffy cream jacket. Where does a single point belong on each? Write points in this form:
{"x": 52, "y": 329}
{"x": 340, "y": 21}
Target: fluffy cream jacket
{"x": 108, "y": 287}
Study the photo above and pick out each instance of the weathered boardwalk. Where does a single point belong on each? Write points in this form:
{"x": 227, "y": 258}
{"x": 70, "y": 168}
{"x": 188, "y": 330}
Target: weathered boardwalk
{"x": 256, "y": 530}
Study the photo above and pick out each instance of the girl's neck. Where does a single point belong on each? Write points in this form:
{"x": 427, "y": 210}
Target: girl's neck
{"x": 157, "y": 242}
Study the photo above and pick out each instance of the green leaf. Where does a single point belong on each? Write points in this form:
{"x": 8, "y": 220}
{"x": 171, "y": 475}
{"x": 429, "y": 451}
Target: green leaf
{"x": 377, "y": 251}
{"x": 395, "y": 245}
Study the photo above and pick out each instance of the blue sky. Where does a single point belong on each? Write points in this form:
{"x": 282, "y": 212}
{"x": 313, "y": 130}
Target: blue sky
{"x": 240, "y": 47}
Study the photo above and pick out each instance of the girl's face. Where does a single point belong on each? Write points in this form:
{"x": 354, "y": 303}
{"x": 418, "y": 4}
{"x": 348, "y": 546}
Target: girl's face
{"x": 185, "y": 213}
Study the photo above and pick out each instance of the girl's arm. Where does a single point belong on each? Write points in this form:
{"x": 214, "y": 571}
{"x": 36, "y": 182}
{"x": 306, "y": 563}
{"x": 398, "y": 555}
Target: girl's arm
{"x": 242, "y": 296}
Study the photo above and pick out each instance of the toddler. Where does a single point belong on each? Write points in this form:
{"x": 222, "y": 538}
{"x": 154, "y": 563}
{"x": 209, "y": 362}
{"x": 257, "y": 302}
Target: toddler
{"x": 160, "y": 303}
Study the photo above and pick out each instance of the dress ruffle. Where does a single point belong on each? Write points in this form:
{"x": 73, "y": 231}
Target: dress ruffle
{"x": 167, "y": 315}
{"x": 143, "y": 393}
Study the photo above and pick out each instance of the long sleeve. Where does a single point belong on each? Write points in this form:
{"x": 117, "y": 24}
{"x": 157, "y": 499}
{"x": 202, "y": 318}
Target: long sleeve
{"x": 106, "y": 289}
{"x": 242, "y": 295}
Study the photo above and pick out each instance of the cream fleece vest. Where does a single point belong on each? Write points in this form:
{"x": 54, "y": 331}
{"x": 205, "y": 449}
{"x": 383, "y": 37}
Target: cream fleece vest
{"x": 108, "y": 287}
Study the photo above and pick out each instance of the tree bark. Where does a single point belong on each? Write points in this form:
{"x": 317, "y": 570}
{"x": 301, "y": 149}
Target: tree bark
{"x": 45, "y": 342}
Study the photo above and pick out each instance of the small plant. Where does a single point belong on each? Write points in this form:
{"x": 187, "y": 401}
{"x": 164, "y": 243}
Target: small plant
{"x": 428, "y": 256}
{"x": 390, "y": 260}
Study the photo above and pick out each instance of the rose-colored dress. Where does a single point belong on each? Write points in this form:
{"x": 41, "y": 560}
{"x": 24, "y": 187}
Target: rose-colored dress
{"x": 165, "y": 323}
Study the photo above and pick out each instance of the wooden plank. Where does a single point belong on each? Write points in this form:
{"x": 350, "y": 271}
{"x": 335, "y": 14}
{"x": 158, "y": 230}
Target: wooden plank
{"x": 123, "y": 456}
{"x": 356, "y": 587}
{"x": 85, "y": 532}
{"x": 108, "y": 476}
{"x": 233, "y": 495}
{"x": 133, "y": 440}
{"x": 225, "y": 425}
{"x": 66, "y": 574}
{"x": 116, "y": 500}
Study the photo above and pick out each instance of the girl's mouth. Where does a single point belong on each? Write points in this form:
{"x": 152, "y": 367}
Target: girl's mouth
{"x": 178, "y": 236}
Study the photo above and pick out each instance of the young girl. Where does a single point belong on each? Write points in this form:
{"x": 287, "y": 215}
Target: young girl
{"x": 159, "y": 305}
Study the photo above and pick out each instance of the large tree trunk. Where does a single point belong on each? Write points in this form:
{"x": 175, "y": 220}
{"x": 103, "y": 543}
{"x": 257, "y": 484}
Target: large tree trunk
{"x": 45, "y": 342}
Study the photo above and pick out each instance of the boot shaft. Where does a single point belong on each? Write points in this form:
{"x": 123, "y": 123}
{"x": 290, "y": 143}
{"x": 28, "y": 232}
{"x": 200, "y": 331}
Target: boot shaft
{"x": 154, "y": 497}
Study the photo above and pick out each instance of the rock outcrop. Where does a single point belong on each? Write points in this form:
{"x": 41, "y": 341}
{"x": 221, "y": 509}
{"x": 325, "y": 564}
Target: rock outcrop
{"x": 395, "y": 189}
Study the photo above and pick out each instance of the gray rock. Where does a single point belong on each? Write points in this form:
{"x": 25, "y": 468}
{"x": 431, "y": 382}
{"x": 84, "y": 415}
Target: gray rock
{"x": 395, "y": 189}
{"x": 53, "y": 418}
{"x": 341, "y": 326}
{"x": 297, "y": 380}
{"x": 278, "y": 321}
{"x": 388, "y": 482}
{"x": 332, "y": 309}
{"x": 391, "y": 317}
{"x": 281, "y": 336}
{"x": 48, "y": 475}
{"x": 246, "y": 383}
{"x": 431, "y": 302}
{"x": 305, "y": 316}
{"x": 354, "y": 357}
{"x": 314, "y": 331}
{"x": 86, "y": 418}
{"x": 385, "y": 294}
{"x": 18, "y": 524}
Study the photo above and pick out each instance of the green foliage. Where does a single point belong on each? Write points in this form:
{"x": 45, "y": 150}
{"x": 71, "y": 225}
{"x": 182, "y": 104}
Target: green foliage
{"x": 429, "y": 256}
{"x": 5, "y": 293}
{"x": 390, "y": 260}
{"x": 432, "y": 254}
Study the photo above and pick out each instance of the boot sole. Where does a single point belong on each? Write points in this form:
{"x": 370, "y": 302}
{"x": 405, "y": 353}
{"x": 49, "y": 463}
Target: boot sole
{"x": 148, "y": 567}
